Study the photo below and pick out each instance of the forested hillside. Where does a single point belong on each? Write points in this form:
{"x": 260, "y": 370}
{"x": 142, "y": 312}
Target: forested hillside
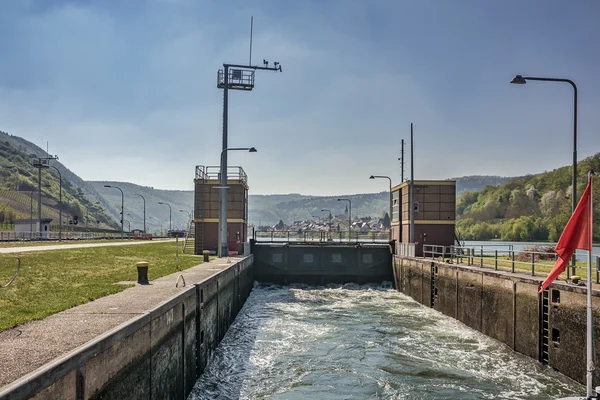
{"x": 535, "y": 207}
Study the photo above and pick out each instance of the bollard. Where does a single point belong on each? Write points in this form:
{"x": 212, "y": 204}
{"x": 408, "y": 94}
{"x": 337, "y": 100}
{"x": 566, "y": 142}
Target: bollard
{"x": 206, "y": 253}
{"x": 142, "y": 269}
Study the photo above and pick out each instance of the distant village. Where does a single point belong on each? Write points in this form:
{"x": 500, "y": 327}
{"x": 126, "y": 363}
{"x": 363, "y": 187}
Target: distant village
{"x": 338, "y": 223}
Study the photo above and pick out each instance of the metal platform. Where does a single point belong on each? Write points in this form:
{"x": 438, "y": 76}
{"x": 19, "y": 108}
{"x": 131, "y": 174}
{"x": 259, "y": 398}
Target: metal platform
{"x": 238, "y": 79}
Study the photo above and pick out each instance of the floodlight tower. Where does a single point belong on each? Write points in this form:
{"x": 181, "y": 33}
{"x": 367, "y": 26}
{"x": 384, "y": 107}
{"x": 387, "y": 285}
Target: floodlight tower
{"x": 235, "y": 77}
{"x": 40, "y": 163}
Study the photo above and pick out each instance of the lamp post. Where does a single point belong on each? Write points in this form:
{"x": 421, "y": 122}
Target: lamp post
{"x": 325, "y": 209}
{"x": 59, "y": 202}
{"x": 167, "y": 204}
{"x": 128, "y": 225}
{"x": 31, "y": 215}
{"x": 161, "y": 227}
{"x": 144, "y": 210}
{"x": 235, "y": 77}
{"x": 390, "y": 179}
{"x": 223, "y": 246}
{"x": 122, "y": 206}
{"x": 349, "y": 215}
{"x": 521, "y": 80}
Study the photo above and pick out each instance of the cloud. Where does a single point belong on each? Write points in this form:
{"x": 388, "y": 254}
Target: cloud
{"x": 126, "y": 91}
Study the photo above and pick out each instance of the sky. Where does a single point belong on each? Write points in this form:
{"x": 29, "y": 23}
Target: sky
{"x": 126, "y": 90}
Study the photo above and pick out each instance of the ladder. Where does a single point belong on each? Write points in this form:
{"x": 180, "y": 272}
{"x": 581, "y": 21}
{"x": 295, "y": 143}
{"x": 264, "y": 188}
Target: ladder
{"x": 188, "y": 244}
{"x": 434, "y": 291}
{"x": 544, "y": 331}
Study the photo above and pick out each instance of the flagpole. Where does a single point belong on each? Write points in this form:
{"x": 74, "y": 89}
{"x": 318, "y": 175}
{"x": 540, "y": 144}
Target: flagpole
{"x": 590, "y": 361}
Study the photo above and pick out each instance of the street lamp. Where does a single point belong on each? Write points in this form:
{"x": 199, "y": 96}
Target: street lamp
{"x": 144, "y": 210}
{"x": 128, "y": 225}
{"x": 167, "y": 204}
{"x": 521, "y": 80}
{"x": 349, "y": 215}
{"x": 390, "y": 179}
{"x": 325, "y": 209}
{"x": 59, "y": 202}
{"x": 223, "y": 246}
{"x": 122, "y": 206}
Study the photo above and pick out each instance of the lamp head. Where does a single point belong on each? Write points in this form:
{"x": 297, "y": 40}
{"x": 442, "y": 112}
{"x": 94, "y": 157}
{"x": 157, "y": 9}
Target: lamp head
{"x": 160, "y": 202}
{"x": 107, "y": 186}
{"x": 518, "y": 80}
{"x": 252, "y": 150}
{"x": 371, "y": 177}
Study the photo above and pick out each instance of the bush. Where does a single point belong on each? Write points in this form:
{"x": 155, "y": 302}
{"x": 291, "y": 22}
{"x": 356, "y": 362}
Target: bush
{"x": 525, "y": 254}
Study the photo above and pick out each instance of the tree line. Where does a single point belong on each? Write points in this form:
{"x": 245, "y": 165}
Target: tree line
{"x": 529, "y": 208}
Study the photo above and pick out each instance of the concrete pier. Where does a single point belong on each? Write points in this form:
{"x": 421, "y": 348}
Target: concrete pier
{"x": 149, "y": 341}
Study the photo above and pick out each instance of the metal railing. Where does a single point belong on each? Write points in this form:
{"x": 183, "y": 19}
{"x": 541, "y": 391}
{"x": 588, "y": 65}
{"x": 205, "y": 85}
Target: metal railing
{"x": 272, "y": 236}
{"x": 405, "y": 249}
{"x": 504, "y": 259}
{"x": 9, "y": 236}
{"x": 214, "y": 173}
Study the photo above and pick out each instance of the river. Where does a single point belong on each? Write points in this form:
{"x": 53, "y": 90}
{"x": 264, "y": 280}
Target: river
{"x": 520, "y": 246}
{"x": 364, "y": 342}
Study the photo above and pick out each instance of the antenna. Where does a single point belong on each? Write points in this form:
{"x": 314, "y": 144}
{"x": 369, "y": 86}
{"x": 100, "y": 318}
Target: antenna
{"x": 251, "y": 26}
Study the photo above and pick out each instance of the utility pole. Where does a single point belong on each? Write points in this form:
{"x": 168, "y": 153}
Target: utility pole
{"x": 412, "y": 187}
{"x": 402, "y": 162}
{"x": 39, "y": 163}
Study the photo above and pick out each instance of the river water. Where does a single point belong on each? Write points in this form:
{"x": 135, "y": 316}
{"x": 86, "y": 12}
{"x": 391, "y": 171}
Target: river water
{"x": 503, "y": 247}
{"x": 364, "y": 342}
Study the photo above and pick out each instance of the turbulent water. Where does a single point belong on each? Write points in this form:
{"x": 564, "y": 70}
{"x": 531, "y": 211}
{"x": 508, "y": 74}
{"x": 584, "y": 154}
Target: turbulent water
{"x": 364, "y": 342}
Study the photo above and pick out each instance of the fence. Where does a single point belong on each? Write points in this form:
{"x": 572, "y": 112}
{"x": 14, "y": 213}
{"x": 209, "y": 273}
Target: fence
{"x": 504, "y": 258}
{"x": 7, "y": 236}
{"x": 321, "y": 236}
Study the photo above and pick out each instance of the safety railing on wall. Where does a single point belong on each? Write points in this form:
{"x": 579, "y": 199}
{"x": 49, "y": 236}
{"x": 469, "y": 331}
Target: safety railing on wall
{"x": 505, "y": 258}
{"x": 405, "y": 249}
{"x": 7, "y": 236}
{"x": 272, "y": 236}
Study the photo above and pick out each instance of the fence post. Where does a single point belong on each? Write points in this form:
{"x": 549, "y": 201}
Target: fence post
{"x": 512, "y": 268}
{"x": 496, "y": 259}
{"x": 597, "y": 269}
{"x": 481, "y": 257}
{"x": 532, "y": 264}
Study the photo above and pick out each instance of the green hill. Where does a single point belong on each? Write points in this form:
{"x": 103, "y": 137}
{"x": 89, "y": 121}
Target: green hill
{"x": 19, "y": 188}
{"x": 533, "y": 207}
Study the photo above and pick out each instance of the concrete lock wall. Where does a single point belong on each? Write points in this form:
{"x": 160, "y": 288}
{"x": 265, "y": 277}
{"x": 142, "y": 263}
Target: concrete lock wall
{"x": 321, "y": 263}
{"x": 506, "y": 307}
{"x": 157, "y": 355}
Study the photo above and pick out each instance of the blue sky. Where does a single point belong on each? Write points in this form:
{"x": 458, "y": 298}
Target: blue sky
{"x": 126, "y": 91}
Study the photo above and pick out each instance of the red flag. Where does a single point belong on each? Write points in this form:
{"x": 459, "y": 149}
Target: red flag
{"x": 575, "y": 236}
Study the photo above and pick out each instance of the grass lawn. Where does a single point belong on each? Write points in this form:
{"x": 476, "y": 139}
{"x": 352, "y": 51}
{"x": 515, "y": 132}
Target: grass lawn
{"x": 55, "y": 280}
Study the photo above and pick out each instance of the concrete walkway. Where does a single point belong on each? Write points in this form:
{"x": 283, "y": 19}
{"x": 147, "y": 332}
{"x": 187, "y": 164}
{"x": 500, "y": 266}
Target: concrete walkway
{"x": 27, "y": 347}
{"x": 79, "y": 245}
